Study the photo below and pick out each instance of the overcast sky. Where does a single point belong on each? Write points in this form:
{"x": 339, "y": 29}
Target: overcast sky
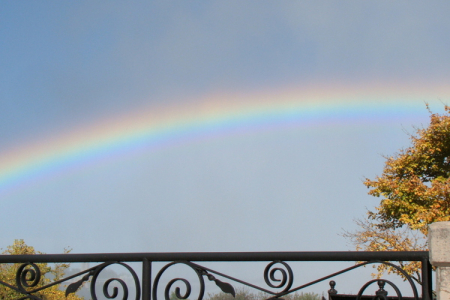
{"x": 67, "y": 66}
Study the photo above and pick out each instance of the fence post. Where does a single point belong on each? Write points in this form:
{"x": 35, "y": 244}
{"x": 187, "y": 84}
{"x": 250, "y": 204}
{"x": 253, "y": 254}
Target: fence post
{"x": 439, "y": 245}
{"x": 146, "y": 279}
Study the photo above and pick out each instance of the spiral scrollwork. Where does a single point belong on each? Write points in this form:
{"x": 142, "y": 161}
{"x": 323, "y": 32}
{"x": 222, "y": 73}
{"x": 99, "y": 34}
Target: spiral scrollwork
{"x": 287, "y": 276}
{"x": 177, "y": 289}
{"x": 27, "y": 277}
{"x": 186, "y": 283}
{"x": 115, "y": 289}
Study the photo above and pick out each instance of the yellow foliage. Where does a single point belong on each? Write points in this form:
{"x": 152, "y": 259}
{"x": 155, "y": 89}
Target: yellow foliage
{"x": 415, "y": 184}
{"x": 415, "y": 191}
{"x": 48, "y": 274}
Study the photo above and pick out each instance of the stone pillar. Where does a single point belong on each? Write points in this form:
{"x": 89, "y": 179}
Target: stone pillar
{"x": 439, "y": 245}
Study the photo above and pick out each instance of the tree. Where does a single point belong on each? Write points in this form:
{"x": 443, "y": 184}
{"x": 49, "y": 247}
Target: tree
{"x": 371, "y": 237}
{"x": 48, "y": 274}
{"x": 415, "y": 191}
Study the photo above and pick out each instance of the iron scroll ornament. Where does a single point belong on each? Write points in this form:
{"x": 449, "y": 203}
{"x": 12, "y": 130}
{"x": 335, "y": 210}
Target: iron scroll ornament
{"x": 269, "y": 276}
{"x": 200, "y": 272}
{"x": 95, "y": 272}
{"x": 110, "y": 280}
{"x": 28, "y": 278}
{"x": 177, "y": 289}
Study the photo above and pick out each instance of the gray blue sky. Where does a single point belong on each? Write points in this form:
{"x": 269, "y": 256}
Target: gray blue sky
{"x": 71, "y": 65}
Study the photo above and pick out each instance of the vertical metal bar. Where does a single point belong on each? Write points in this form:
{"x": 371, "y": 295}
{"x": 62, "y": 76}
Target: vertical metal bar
{"x": 427, "y": 292}
{"x": 146, "y": 279}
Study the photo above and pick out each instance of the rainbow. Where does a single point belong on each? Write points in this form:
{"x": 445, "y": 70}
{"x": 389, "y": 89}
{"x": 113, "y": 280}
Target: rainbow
{"x": 210, "y": 117}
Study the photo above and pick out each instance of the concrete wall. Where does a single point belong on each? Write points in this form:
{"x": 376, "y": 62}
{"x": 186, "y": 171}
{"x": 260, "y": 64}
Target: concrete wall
{"x": 439, "y": 245}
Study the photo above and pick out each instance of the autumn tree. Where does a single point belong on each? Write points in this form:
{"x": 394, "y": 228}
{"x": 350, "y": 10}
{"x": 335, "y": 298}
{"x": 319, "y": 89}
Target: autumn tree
{"x": 48, "y": 274}
{"x": 415, "y": 191}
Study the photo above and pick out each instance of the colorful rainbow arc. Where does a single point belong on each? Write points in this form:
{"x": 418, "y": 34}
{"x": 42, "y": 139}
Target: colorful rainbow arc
{"x": 163, "y": 126}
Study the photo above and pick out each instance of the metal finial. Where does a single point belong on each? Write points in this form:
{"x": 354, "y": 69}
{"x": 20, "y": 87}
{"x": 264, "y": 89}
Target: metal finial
{"x": 332, "y": 291}
{"x": 382, "y": 293}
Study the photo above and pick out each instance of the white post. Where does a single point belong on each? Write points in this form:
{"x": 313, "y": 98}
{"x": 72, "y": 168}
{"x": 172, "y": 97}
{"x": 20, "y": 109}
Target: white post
{"x": 439, "y": 245}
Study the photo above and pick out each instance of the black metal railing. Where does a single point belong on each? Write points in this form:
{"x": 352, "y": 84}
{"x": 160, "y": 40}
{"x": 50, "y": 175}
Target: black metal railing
{"x": 277, "y": 275}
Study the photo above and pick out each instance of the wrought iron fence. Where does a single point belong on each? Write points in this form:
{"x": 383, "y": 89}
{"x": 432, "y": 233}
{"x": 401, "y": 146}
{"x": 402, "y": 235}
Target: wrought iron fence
{"x": 278, "y": 274}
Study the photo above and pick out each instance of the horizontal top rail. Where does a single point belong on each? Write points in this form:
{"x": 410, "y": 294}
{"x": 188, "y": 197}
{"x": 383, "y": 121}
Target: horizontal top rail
{"x": 220, "y": 256}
